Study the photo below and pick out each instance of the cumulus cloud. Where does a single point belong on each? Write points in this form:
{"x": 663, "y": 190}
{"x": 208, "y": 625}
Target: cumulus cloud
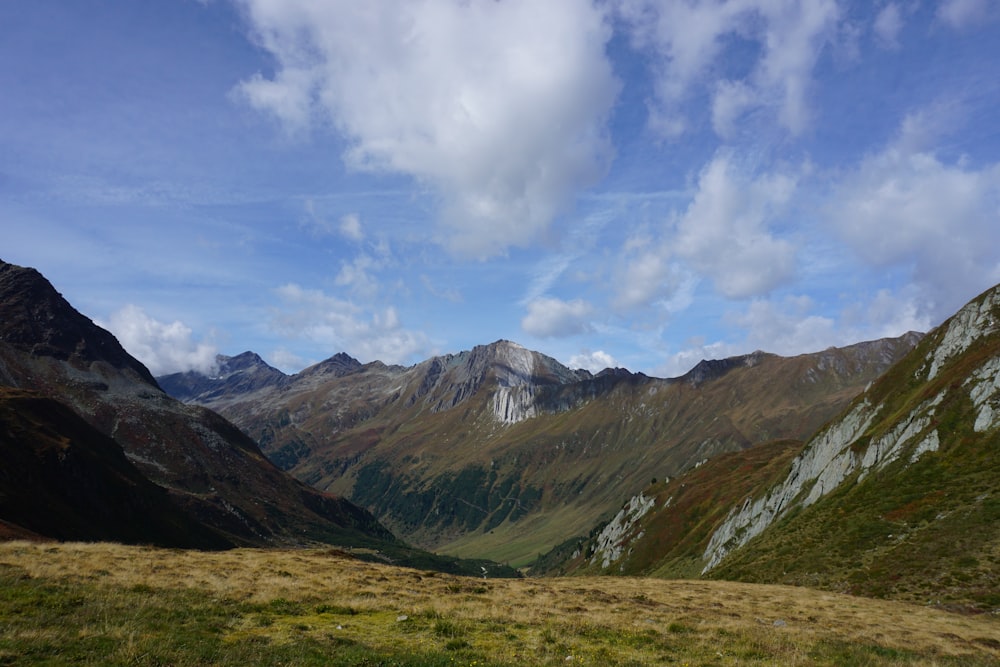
{"x": 906, "y": 209}
{"x": 594, "y": 362}
{"x": 500, "y": 108}
{"x": 341, "y": 326}
{"x": 163, "y": 347}
{"x": 725, "y": 235}
{"x": 788, "y": 326}
{"x": 689, "y": 39}
{"x": 549, "y": 317}
{"x": 648, "y": 275}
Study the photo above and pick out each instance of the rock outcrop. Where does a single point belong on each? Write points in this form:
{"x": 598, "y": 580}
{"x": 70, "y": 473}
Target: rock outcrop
{"x": 876, "y": 432}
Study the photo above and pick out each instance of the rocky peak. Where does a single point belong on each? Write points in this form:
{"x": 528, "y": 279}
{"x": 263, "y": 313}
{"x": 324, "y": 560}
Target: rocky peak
{"x": 712, "y": 369}
{"x": 241, "y": 363}
{"x": 338, "y": 365}
{"x": 38, "y": 320}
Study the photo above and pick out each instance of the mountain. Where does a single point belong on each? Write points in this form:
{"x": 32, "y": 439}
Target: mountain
{"x": 503, "y": 452}
{"x": 96, "y": 450}
{"x": 899, "y": 496}
{"x": 66, "y": 480}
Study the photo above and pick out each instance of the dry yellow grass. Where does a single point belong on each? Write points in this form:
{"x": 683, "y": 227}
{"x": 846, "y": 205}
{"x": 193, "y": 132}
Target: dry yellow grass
{"x": 328, "y": 595}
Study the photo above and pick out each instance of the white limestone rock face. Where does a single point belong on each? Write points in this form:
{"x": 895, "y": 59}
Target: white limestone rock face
{"x": 514, "y": 399}
{"x": 612, "y": 540}
{"x": 826, "y": 463}
{"x": 984, "y": 389}
{"x": 883, "y": 451}
{"x": 511, "y": 405}
{"x": 974, "y": 321}
{"x": 823, "y": 465}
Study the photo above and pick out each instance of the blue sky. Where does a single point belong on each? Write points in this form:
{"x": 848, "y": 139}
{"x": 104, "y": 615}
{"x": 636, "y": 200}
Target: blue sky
{"x": 622, "y": 183}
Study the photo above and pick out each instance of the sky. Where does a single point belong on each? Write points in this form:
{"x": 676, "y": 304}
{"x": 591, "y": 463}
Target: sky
{"x": 614, "y": 183}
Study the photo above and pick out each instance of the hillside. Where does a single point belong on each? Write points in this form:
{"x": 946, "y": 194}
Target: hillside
{"x": 503, "y": 452}
{"x": 113, "y": 605}
{"x": 897, "y": 497}
{"x": 96, "y": 450}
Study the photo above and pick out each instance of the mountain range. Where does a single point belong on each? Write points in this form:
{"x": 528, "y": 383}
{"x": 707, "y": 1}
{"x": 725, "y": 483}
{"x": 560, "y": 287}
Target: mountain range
{"x": 869, "y": 469}
{"x": 95, "y": 450}
{"x": 502, "y": 452}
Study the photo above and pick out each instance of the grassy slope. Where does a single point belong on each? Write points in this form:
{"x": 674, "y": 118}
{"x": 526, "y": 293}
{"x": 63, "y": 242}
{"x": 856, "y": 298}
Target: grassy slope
{"x": 114, "y": 605}
{"x": 675, "y": 532}
{"x": 928, "y": 531}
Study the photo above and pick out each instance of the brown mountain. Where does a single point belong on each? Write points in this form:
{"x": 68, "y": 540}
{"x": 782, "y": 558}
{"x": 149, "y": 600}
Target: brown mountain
{"x": 77, "y": 407}
{"x": 503, "y": 452}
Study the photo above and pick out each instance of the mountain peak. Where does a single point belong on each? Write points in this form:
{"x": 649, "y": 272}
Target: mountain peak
{"x": 338, "y": 365}
{"x": 711, "y": 369}
{"x": 38, "y": 320}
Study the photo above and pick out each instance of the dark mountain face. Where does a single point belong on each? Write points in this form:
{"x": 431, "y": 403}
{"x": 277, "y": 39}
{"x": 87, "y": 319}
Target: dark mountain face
{"x": 37, "y": 320}
{"x": 242, "y": 374}
{"x": 97, "y": 451}
{"x": 64, "y": 479}
{"x": 502, "y": 451}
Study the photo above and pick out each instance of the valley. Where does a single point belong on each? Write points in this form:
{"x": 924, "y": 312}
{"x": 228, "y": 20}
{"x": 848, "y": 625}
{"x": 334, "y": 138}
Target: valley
{"x": 501, "y": 452}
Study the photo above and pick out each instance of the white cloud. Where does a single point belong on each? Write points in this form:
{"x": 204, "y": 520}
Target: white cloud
{"x": 690, "y": 38}
{"x": 648, "y": 275}
{"x": 724, "y": 233}
{"x": 964, "y": 13}
{"x": 499, "y": 107}
{"x": 550, "y": 317}
{"x": 888, "y": 25}
{"x": 164, "y": 348}
{"x": 907, "y": 210}
{"x": 594, "y": 362}
{"x": 788, "y": 327}
{"x": 350, "y": 227}
{"x": 341, "y": 326}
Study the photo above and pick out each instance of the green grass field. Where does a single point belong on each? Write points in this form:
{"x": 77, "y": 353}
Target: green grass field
{"x": 106, "y": 604}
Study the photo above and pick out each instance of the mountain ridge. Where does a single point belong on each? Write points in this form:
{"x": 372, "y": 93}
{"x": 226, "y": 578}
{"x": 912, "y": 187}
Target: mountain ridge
{"x": 896, "y": 496}
{"x": 453, "y": 451}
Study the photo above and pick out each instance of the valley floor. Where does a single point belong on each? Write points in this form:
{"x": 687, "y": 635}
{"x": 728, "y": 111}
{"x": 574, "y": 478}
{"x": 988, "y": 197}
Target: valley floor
{"x": 112, "y": 604}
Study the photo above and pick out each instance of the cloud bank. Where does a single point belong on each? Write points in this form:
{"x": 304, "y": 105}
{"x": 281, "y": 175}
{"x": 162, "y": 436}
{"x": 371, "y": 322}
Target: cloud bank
{"x": 499, "y": 108}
